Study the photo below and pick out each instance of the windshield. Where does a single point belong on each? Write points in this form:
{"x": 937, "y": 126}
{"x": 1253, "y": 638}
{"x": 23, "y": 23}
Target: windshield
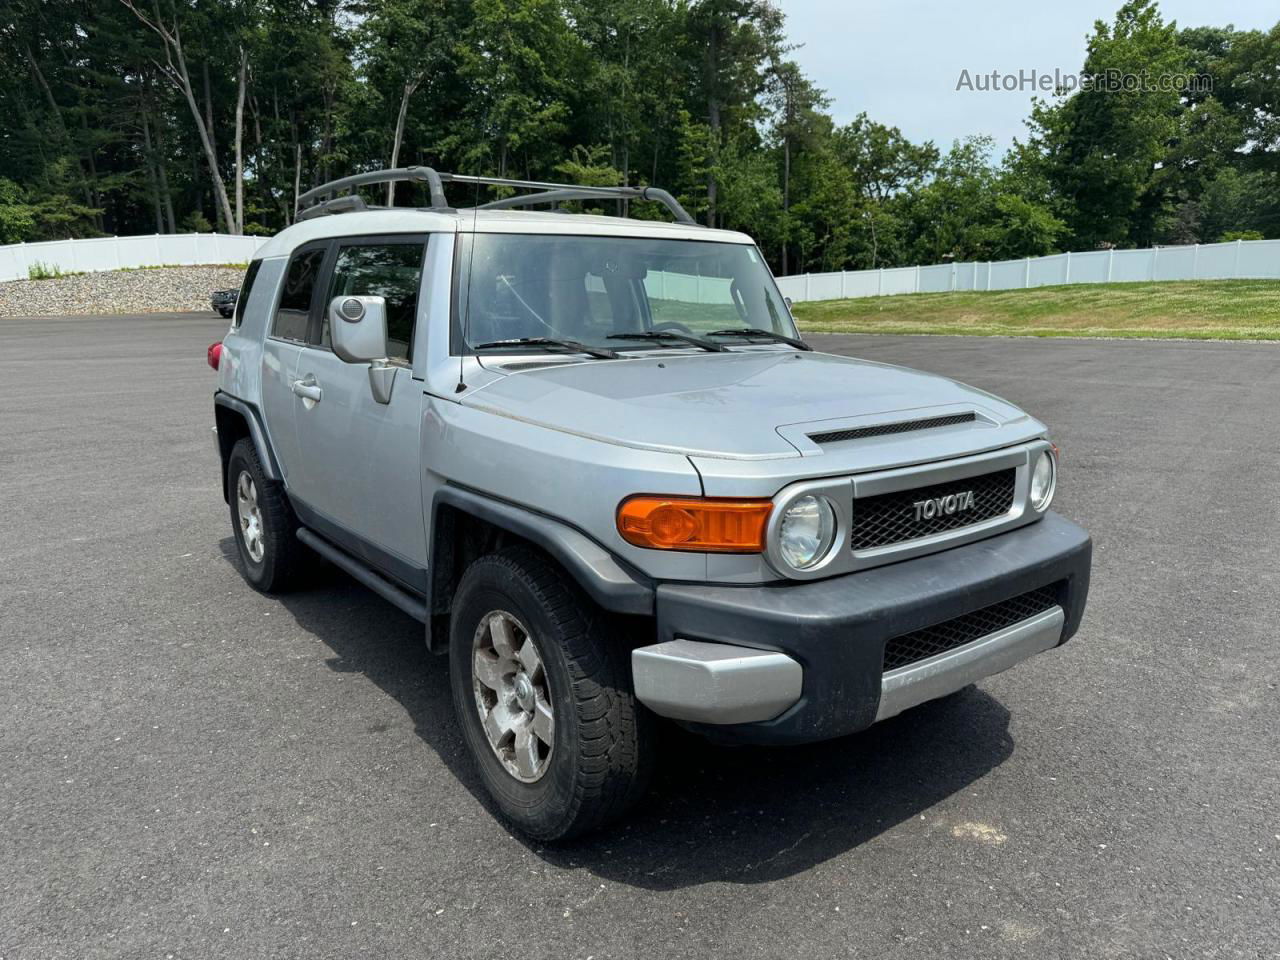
{"x": 590, "y": 288}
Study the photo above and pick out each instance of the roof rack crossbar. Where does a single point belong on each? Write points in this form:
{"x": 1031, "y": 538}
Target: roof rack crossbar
{"x": 421, "y": 174}
{"x": 553, "y": 196}
{"x": 557, "y": 192}
{"x": 547, "y": 192}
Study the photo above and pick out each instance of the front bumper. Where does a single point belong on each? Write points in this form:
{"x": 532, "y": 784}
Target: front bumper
{"x": 797, "y": 662}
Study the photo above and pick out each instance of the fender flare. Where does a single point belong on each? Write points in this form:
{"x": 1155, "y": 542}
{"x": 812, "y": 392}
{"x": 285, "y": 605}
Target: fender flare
{"x": 257, "y": 433}
{"x": 612, "y": 584}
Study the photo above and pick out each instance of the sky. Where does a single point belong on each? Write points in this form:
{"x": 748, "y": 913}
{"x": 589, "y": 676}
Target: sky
{"x": 901, "y": 62}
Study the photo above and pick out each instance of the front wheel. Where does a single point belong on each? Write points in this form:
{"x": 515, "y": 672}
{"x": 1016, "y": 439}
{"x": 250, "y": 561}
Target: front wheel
{"x": 542, "y": 690}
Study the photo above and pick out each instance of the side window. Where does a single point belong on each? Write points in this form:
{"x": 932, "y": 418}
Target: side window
{"x": 246, "y": 287}
{"x": 392, "y": 271}
{"x": 295, "y": 300}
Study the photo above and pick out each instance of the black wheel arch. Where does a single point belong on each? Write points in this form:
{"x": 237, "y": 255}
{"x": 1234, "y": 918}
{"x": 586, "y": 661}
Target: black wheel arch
{"x": 466, "y": 525}
{"x": 236, "y": 419}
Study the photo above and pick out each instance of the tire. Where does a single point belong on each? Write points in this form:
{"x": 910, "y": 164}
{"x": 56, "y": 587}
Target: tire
{"x": 271, "y": 556}
{"x": 226, "y": 314}
{"x": 596, "y": 761}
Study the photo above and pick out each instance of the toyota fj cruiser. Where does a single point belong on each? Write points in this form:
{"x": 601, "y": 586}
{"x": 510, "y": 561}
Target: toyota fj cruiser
{"x": 592, "y": 455}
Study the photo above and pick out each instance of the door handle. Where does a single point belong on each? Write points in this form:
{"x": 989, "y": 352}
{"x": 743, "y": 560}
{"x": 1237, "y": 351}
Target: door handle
{"x": 307, "y": 388}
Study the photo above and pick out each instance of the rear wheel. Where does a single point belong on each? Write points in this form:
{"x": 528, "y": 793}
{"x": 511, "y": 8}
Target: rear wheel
{"x": 271, "y": 556}
{"x": 542, "y": 690}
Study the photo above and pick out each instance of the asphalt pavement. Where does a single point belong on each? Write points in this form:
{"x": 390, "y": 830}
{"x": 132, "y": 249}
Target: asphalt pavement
{"x": 191, "y": 770}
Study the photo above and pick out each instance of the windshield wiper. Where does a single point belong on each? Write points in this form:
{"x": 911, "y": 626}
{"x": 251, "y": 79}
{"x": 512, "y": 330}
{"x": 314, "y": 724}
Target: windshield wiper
{"x": 570, "y": 346}
{"x": 670, "y": 335}
{"x": 766, "y": 334}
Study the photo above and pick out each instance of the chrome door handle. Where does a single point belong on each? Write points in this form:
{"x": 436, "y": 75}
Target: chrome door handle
{"x": 307, "y": 388}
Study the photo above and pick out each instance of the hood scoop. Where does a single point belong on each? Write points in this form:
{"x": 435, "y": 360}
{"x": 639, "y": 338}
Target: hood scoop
{"x": 883, "y": 429}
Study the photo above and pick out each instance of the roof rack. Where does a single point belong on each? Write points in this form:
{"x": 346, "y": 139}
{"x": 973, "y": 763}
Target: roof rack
{"x": 552, "y": 193}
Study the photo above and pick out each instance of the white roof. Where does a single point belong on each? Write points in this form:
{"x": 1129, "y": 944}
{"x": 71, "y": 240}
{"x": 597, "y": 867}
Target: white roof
{"x": 410, "y": 220}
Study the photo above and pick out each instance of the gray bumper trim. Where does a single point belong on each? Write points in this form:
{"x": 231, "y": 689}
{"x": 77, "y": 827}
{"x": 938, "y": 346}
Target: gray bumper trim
{"x": 951, "y": 671}
{"x": 715, "y": 682}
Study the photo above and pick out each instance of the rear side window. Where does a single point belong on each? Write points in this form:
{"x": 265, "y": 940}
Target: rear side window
{"x": 392, "y": 271}
{"x": 246, "y": 287}
{"x": 295, "y": 300}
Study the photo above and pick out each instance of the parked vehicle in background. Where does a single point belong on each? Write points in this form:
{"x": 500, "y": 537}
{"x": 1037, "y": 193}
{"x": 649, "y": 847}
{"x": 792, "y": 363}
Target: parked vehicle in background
{"x": 224, "y": 301}
{"x": 595, "y": 458}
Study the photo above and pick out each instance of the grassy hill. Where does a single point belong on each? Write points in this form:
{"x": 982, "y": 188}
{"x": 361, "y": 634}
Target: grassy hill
{"x": 1204, "y": 309}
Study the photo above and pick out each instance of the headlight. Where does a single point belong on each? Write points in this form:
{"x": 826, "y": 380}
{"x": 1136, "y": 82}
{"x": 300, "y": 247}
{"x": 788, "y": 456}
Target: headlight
{"x": 806, "y": 532}
{"x": 1043, "y": 482}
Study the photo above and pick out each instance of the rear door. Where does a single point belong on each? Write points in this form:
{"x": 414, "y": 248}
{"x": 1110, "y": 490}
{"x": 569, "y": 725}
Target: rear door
{"x": 360, "y": 459}
{"x": 287, "y": 333}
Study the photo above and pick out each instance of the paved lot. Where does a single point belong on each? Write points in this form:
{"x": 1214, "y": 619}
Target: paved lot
{"x": 189, "y": 769}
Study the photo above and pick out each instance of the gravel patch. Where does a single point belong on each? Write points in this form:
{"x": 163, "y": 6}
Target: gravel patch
{"x": 153, "y": 290}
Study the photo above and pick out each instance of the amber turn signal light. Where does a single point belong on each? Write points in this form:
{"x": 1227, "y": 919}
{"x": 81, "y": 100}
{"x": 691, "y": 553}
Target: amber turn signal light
{"x": 699, "y": 524}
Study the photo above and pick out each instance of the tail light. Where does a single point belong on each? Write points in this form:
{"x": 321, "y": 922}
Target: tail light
{"x": 215, "y": 354}
{"x": 700, "y": 524}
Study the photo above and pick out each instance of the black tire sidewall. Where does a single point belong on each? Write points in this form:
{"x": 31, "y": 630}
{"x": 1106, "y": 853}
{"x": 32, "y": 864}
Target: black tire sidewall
{"x": 541, "y": 808}
{"x": 244, "y": 460}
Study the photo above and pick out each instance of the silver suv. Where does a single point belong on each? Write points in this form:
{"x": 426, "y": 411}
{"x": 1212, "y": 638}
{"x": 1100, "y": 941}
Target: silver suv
{"x": 592, "y": 455}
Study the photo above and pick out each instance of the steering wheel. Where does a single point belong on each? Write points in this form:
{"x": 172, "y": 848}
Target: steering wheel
{"x": 672, "y": 325}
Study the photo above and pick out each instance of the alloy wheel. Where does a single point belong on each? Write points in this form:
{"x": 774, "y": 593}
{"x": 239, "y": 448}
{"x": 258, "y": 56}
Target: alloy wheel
{"x": 512, "y": 696}
{"x": 249, "y": 514}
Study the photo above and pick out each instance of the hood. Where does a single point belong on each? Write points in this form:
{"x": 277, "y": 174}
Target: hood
{"x": 738, "y": 405}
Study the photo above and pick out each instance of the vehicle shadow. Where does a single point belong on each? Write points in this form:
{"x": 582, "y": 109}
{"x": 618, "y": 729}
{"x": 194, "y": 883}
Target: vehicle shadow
{"x": 728, "y": 814}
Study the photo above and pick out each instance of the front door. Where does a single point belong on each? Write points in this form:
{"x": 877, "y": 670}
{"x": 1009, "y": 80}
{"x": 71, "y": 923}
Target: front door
{"x": 287, "y": 333}
{"x": 360, "y": 468}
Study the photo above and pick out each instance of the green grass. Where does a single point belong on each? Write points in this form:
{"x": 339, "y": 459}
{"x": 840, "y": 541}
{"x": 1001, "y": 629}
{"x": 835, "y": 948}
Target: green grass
{"x": 1203, "y": 309}
{"x": 49, "y": 271}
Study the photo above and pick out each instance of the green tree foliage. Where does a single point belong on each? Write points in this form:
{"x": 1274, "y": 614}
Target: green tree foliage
{"x": 971, "y": 210}
{"x": 223, "y": 117}
{"x": 1130, "y": 167}
{"x": 1103, "y": 147}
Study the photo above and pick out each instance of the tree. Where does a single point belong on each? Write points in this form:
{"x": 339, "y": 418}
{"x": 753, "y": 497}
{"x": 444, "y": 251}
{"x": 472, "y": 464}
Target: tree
{"x": 405, "y": 44}
{"x": 883, "y": 162}
{"x": 1247, "y": 82}
{"x": 516, "y": 55}
{"x": 1102, "y": 148}
{"x": 798, "y": 124}
{"x": 158, "y": 115}
{"x": 973, "y": 210}
{"x": 174, "y": 68}
{"x": 630, "y": 61}
{"x": 733, "y": 42}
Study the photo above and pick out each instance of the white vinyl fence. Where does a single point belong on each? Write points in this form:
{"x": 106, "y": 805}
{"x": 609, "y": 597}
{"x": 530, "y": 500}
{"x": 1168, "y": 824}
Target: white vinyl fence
{"x": 112, "y": 253}
{"x": 1241, "y": 259}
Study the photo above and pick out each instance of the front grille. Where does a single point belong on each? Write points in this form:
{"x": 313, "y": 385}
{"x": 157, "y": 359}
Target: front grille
{"x": 893, "y": 517}
{"x": 950, "y": 634}
{"x": 883, "y": 429}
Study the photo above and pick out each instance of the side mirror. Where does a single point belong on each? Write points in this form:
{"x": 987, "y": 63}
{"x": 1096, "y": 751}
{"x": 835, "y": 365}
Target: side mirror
{"x": 358, "y": 328}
